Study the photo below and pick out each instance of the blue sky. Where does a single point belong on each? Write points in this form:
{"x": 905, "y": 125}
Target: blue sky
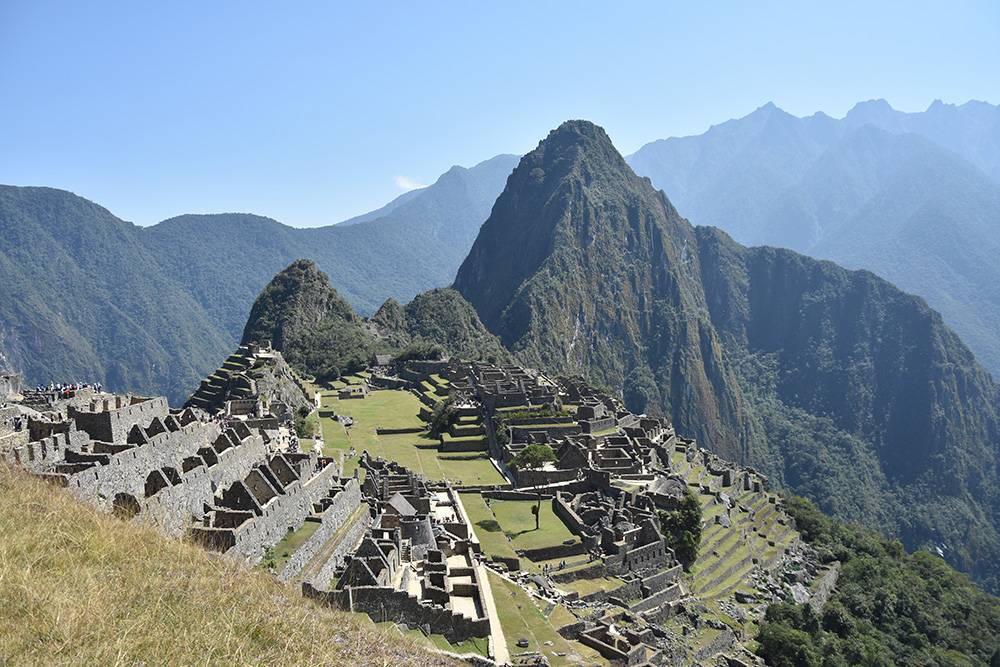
{"x": 311, "y": 112}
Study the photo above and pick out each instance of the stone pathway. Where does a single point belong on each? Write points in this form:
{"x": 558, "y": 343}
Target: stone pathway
{"x": 500, "y": 652}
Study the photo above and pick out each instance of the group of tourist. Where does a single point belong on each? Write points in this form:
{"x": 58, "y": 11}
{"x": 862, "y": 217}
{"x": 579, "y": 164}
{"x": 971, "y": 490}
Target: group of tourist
{"x": 67, "y": 389}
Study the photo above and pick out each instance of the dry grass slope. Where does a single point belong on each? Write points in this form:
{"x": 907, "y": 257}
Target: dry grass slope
{"x": 80, "y": 587}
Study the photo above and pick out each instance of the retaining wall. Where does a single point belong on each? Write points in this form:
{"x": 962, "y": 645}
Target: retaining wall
{"x": 342, "y": 506}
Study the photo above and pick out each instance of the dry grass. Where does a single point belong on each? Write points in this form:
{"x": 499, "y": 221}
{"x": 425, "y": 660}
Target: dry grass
{"x": 83, "y": 588}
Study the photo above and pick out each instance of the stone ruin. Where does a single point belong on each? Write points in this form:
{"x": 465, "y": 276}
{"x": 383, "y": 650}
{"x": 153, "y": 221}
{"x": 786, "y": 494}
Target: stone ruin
{"x": 226, "y": 477}
{"x": 253, "y": 381}
{"x": 416, "y": 565}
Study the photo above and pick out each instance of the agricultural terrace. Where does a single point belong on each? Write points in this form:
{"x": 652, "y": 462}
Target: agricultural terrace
{"x": 398, "y": 409}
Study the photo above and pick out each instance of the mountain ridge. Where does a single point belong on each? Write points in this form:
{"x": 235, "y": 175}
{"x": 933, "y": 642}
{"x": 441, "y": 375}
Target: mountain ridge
{"x": 837, "y": 188}
{"x": 742, "y": 346}
{"x": 191, "y": 280}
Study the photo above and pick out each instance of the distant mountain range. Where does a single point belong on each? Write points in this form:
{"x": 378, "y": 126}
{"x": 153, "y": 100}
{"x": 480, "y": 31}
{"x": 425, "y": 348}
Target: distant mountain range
{"x": 914, "y": 197}
{"x": 834, "y": 382}
{"x": 86, "y": 296}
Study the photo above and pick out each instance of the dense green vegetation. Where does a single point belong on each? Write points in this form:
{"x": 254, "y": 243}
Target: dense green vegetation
{"x": 533, "y": 456}
{"x": 86, "y": 296}
{"x": 888, "y": 608}
{"x": 421, "y": 350}
{"x": 83, "y": 299}
{"x": 682, "y": 526}
{"x": 443, "y": 416}
{"x": 317, "y": 332}
{"x": 438, "y": 319}
{"x": 832, "y": 382}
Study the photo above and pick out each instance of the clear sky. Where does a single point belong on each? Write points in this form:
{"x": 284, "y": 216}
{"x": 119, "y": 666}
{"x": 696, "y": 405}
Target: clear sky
{"x": 310, "y": 112}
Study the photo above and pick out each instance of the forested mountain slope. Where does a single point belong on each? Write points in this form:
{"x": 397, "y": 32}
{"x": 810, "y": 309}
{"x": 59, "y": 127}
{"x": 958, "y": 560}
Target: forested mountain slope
{"x": 833, "y": 381}
{"x": 83, "y": 299}
{"x": 86, "y": 296}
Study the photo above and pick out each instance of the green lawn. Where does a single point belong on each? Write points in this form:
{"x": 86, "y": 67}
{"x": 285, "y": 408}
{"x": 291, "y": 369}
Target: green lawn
{"x": 588, "y": 586}
{"x": 519, "y": 524}
{"x": 387, "y": 408}
{"x": 489, "y": 532}
{"x": 398, "y": 409}
{"x": 292, "y": 541}
{"x": 513, "y": 519}
{"x": 420, "y": 453}
{"x": 521, "y": 618}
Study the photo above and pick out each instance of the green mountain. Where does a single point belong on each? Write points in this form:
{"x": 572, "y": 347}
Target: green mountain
{"x": 300, "y": 314}
{"x": 832, "y": 381}
{"x": 442, "y": 317}
{"x": 912, "y": 197}
{"x": 83, "y": 299}
{"x": 86, "y": 296}
{"x": 314, "y": 328}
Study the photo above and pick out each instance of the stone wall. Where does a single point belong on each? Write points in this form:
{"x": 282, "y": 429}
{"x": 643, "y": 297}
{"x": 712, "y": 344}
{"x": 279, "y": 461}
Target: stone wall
{"x": 529, "y": 477}
{"x": 629, "y": 590}
{"x": 283, "y": 512}
{"x": 555, "y": 551}
{"x": 385, "y": 604}
{"x": 110, "y": 419}
{"x": 661, "y": 580}
{"x": 342, "y": 506}
{"x": 668, "y": 594}
{"x": 380, "y": 430}
{"x": 597, "y": 570}
{"x": 348, "y": 541}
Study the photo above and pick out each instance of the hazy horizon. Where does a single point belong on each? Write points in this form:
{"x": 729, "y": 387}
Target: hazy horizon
{"x": 315, "y": 116}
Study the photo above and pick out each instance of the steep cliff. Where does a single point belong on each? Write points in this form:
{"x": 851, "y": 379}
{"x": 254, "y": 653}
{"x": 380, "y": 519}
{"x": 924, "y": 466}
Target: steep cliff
{"x": 833, "y": 381}
{"x": 582, "y": 267}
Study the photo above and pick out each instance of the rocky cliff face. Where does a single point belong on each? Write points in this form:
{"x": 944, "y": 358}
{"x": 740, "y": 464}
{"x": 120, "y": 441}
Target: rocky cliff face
{"x": 584, "y": 268}
{"x": 833, "y": 381}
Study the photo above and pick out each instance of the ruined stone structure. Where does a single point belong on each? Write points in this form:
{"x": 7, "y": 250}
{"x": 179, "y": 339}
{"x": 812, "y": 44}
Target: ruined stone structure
{"x": 274, "y": 498}
{"x": 253, "y": 381}
{"x": 226, "y": 476}
{"x": 415, "y": 566}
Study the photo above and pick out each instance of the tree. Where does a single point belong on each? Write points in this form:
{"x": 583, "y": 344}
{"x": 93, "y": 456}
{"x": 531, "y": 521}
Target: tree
{"x": 534, "y": 456}
{"x": 682, "y": 527}
{"x": 301, "y": 415}
{"x": 443, "y": 416}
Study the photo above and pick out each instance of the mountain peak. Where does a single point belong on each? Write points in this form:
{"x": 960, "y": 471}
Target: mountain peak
{"x": 581, "y": 128}
{"x": 869, "y": 110}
